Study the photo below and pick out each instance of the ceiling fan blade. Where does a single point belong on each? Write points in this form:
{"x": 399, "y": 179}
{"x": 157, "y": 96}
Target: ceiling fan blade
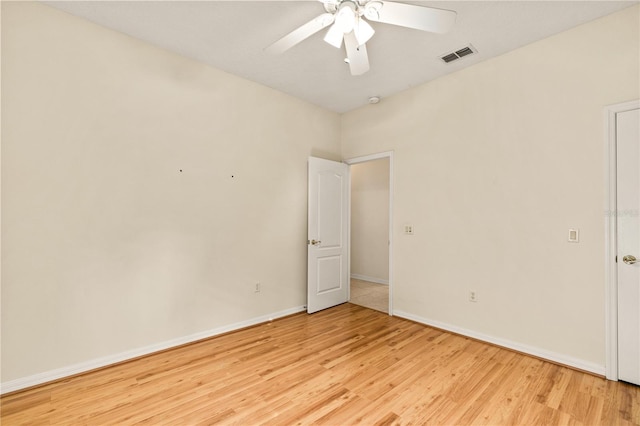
{"x": 357, "y": 55}
{"x": 301, "y": 33}
{"x": 411, "y": 16}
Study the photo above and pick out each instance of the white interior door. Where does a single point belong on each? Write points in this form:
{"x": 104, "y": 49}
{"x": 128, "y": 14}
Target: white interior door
{"x": 327, "y": 248}
{"x": 628, "y": 237}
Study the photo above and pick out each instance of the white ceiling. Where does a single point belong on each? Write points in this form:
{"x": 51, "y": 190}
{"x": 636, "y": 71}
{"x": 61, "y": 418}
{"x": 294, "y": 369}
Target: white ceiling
{"x": 232, "y": 35}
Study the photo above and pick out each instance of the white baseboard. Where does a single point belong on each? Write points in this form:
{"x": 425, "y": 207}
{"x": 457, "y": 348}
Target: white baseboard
{"x": 48, "y": 376}
{"x": 530, "y": 350}
{"x": 370, "y": 279}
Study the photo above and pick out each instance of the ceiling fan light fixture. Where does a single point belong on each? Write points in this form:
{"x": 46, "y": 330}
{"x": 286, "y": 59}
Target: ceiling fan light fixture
{"x": 326, "y": 20}
{"x": 346, "y": 17}
{"x": 363, "y": 31}
{"x": 372, "y": 10}
{"x": 334, "y": 36}
{"x": 330, "y": 5}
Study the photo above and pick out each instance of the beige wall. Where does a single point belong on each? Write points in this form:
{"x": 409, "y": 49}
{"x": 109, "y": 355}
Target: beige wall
{"x": 493, "y": 165}
{"x": 370, "y": 220}
{"x": 107, "y": 246}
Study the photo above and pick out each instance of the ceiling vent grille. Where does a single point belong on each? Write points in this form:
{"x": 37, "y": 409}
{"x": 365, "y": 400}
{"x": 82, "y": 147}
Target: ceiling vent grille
{"x": 460, "y": 53}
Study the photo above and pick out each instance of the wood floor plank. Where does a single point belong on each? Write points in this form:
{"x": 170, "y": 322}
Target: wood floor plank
{"x": 345, "y": 365}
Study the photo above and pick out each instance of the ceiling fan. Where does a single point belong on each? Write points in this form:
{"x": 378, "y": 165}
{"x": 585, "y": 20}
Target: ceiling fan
{"x": 349, "y": 19}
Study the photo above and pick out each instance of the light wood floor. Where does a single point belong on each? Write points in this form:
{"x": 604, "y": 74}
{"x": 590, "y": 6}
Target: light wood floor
{"x": 341, "y": 366}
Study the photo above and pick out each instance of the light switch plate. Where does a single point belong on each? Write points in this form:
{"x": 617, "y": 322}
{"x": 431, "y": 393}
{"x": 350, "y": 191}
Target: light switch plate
{"x": 574, "y": 235}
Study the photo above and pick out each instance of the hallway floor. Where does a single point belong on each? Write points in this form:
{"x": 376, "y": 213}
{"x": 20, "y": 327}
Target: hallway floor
{"x": 370, "y": 295}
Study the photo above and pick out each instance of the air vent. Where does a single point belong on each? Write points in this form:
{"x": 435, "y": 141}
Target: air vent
{"x": 454, "y": 56}
{"x": 450, "y": 57}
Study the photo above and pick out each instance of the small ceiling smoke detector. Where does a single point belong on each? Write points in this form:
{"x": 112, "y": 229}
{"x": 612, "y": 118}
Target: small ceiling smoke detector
{"x": 374, "y": 99}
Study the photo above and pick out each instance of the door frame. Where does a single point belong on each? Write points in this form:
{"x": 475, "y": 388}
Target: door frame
{"x": 364, "y": 159}
{"x": 611, "y": 240}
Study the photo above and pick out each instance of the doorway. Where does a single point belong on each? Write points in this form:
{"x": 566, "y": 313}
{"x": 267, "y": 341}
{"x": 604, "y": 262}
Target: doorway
{"x": 622, "y": 234}
{"x": 370, "y": 236}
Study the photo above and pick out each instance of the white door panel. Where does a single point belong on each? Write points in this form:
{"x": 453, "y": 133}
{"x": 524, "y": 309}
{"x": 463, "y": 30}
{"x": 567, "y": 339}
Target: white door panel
{"x": 330, "y": 197}
{"x": 329, "y": 271}
{"x": 327, "y": 249}
{"x": 628, "y": 237}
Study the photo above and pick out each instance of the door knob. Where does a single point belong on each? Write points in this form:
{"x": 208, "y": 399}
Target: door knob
{"x": 629, "y": 259}
{"x": 315, "y": 242}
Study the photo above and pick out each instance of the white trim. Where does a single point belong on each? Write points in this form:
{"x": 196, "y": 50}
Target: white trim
{"x": 371, "y": 157}
{"x": 370, "y": 279}
{"x": 59, "y": 373}
{"x": 610, "y": 248}
{"x": 378, "y": 156}
{"x": 526, "y": 349}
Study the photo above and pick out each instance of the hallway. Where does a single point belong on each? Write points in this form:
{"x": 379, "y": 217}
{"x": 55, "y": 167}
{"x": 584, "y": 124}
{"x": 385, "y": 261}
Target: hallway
{"x": 370, "y": 295}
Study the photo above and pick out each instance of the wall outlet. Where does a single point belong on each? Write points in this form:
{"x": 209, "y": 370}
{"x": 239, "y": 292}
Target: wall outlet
{"x": 408, "y": 229}
{"x": 257, "y": 289}
{"x": 473, "y": 296}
